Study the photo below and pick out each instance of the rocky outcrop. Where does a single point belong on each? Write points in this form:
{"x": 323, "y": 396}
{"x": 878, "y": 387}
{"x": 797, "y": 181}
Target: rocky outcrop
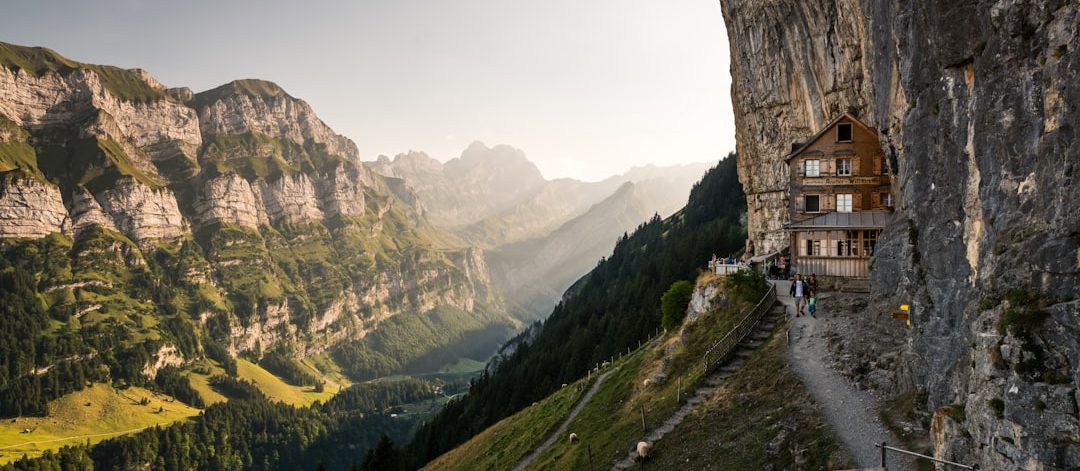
{"x": 143, "y": 213}
{"x": 167, "y": 355}
{"x": 229, "y": 199}
{"x": 260, "y": 107}
{"x": 975, "y": 102}
{"x": 163, "y": 128}
{"x": 29, "y": 207}
{"x": 291, "y": 199}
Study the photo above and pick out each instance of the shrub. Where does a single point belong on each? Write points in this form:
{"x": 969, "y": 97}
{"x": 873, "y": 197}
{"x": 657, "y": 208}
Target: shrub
{"x": 673, "y": 303}
{"x": 746, "y": 285}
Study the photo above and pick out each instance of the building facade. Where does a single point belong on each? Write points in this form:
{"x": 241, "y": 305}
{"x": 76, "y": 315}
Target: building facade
{"x": 841, "y": 194}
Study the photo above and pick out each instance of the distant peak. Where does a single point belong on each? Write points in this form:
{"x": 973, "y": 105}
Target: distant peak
{"x": 413, "y": 156}
{"x": 480, "y": 152}
{"x": 255, "y": 88}
{"x": 476, "y": 148}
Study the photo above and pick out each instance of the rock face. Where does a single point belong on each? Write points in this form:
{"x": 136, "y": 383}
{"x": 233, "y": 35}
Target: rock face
{"x": 29, "y": 208}
{"x": 254, "y": 216}
{"x": 976, "y": 104}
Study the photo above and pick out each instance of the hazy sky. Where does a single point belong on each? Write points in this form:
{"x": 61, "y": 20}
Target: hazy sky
{"x": 587, "y": 88}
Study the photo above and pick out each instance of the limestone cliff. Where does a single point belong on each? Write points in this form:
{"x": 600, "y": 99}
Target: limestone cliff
{"x": 976, "y": 104}
{"x": 236, "y": 207}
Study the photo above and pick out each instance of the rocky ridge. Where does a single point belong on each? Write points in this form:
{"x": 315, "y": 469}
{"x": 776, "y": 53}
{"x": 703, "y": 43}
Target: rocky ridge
{"x": 973, "y": 103}
{"x": 240, "y": 200}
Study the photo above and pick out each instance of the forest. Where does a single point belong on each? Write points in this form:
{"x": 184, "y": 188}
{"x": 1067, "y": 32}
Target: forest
{"x": 251, "y": 432}
{"x": 611, "y": 308}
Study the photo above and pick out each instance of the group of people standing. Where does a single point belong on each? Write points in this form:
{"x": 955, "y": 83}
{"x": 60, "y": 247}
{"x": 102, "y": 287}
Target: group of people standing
{"x": 805, "y": 294}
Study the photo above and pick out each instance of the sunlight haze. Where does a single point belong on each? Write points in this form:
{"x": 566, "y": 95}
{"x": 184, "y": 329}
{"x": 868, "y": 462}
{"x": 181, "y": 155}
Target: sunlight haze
{"x": 586, "y": 89}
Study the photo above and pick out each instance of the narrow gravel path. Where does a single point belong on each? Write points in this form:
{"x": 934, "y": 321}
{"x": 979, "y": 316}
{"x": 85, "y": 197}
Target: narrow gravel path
{"x": 852, "y": 414}
{"x": 565, "y": 423}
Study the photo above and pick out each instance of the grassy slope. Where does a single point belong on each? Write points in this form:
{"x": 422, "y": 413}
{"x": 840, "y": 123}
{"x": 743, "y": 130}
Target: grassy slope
{"x": 762, "y": 400}
{"x": 110, "y": 412}
{"x": 279, "y": 390}
{"x": 506, "y": 442}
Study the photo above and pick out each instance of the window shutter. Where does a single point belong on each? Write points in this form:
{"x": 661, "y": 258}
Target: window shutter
{"x": 855, "y": 165}
{"x": 856, "y": 201}
{"x": 877, "y": 165}
{"x": 876, "y": 199}
{"x": 800, "y": 204}
{"x": 828, "y": 202}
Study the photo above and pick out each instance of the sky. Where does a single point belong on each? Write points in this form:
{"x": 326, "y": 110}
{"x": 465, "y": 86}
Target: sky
{"x": 587, "y": 88}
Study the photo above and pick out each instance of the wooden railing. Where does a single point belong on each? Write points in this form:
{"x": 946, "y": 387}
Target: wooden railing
{"x": 723, "y": 347}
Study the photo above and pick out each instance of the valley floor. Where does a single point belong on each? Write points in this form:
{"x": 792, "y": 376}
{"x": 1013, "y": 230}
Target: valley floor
{"x": 94, "y": 414}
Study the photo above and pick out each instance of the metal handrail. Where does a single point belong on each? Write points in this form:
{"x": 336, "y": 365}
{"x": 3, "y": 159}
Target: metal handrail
{"x": 723, "y": 347}
{"x": 885, "y": 447}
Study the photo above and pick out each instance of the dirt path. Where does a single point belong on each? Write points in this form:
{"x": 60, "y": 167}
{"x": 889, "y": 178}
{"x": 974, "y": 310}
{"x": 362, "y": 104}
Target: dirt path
{"x": 852, "y": 414}
{"x": 565, "y": 423}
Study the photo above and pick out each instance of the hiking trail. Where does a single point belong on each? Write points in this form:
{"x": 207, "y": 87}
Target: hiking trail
{"x": 852, "y": 414}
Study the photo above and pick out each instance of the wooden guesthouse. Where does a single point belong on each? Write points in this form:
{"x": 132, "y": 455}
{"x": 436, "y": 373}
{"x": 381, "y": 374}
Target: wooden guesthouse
{"x": 841, "y": 194}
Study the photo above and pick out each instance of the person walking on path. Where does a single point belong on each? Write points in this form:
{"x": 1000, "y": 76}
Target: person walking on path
{"x": 799, "y": 290}
{"x": 812, "y": 285}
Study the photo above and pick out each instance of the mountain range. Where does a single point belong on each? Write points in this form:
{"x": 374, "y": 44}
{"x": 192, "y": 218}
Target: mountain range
{"x": 157, "y": 227}
{"x": 540, "y": 235}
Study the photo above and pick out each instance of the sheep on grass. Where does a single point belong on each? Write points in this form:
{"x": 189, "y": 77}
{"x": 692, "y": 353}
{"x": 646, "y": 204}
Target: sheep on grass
{"x": 642, "y": 451}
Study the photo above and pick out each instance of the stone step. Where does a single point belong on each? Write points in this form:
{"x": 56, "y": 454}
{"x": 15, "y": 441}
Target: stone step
{"x": 761, "y": 336}
{"x": 717, "y": 380}
{"x": 744, "y": 353}
{"x": 752, "y": 343}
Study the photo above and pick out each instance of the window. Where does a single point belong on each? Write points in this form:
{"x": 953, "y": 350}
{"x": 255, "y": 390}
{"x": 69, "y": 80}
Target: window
{"x": 886, "y": 200}
{"x": 843, "y": 167}
{"x": 812, "y": 203}
{"x": 869, "y": 243}
{"x": 843, "y": 203}
{"x": 843, "y": 132}
{"x": 849, "y": 246}
{"x": 813, "y": 248}
{"x": 813, "y": 168}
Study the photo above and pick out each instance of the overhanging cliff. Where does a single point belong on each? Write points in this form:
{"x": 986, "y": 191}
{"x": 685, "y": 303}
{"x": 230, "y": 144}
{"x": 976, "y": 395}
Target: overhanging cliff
{"x": 976, "y": 104}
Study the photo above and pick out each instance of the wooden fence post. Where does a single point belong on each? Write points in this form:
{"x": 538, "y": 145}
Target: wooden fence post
{"x": 643, "y": 427}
